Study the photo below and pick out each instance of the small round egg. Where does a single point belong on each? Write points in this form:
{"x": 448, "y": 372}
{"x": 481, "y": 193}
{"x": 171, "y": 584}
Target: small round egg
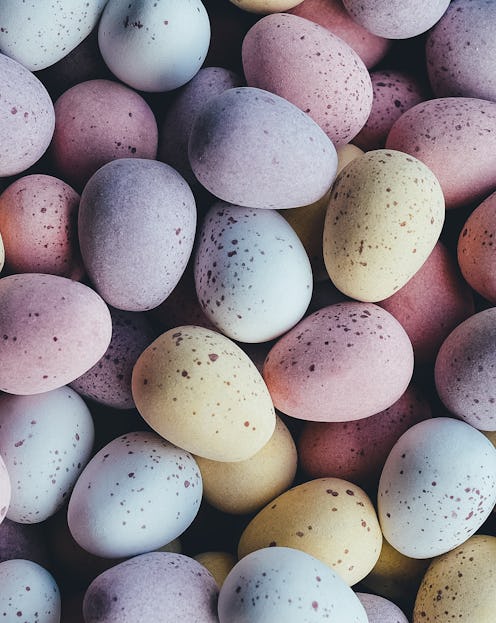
{"x": 218, "y": 563}
{"x": 381, "y": 610}
{"x": 5, "y": 490}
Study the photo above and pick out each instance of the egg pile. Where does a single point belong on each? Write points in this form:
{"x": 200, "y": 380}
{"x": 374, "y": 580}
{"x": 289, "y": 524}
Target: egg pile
{"x": 247, "y": 322}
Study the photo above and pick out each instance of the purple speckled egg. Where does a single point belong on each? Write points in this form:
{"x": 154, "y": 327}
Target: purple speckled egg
{"x": 52, "y": 329}
{"x": 137, "y": 221}
{"x": 381, "y": 610}
{"x": 311, "y": 67}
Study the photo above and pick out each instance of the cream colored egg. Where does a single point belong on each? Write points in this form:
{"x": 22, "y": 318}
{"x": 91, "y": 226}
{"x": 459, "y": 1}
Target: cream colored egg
{"x": 246, "y": 486}
{"x": 266, "y": 6}
{"x": 218, "y": 563}
{"x": 384, "y": 217}
{"x": 329, "y": 518}
{"x": 347, "y": 153}
{"x": 199, "y": 390}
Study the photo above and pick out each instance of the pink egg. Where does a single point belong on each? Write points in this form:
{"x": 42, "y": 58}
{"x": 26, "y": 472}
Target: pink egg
{"x": 5, "y": 490}
{"x": 311, "y": 67}
{"x": 381, "y": 610}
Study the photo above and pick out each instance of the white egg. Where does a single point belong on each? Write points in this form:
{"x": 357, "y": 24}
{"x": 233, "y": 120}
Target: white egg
{"x": 5, "y": 490}
{"x": 252, "y": 274}
{"x": 154, "y": 45}
{"x": 289, "y": 585}
{"x": 45, "y": 441}
{"x": 137, "y": 493}
{"x": 437, "y": 487}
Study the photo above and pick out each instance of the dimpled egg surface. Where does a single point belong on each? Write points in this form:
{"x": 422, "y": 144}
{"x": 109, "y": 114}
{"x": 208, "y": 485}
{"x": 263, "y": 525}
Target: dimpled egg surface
{"x": 437, "y": 488}
{"x": 253, "y": 276}
{"x": 255, "y": 149}
{"x": 135, "y": 251}
{"x": 53, "y": 330}
{"x": 329, "y": 518}
{"x": 199, "y": 390}
{"x": 282, "y": 582}
{"x": 5, "y": 490}
{"x": 138, "y": 493}
{"x": 384, "y": 217}
{"x": 322, "y": 369}
{"x": 311, "y": 67}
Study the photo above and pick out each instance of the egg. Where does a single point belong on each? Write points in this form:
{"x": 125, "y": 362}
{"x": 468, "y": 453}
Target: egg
{"x": 384, "y": 217}
{"x": 174, "y": 585}
{"x": 253, "y": 277}
{"x": 381, "y": 610}
{"x": 437, "y": 487}
{"x": 284, "y": 583}
{"x": 311, "y": 67}
{"x": 313, "y": 371}
{"x": 27, "y": 117}
{"x": 136, "y": 494}
{"x": 5, "y": 490}
{"x": 199, "y": 390}
{"x": 53, "y": 330}
{"x": 154, "y": 46}
{"x": 135, "y": 251}
{"x": 265, "y": 6}
{"x": 29, "y": 592}
{"x": 460, "y": 584}
{"x": 464, "y": 370}
{"x": 255, "y": 149}
{"x": 329, "y": 518}
{"x": 2, "y": 253}
{"x": 218, "y": 563}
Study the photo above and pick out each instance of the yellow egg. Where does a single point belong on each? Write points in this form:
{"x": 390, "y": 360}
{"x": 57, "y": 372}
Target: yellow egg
{"x": 246, "y": 486}
{"x": 347, "y": 153}
{"x": 200, "y": 391}
{"x": 460, "y": 585}
{"x": 329, "y": 518}
{"x": 384, "y": 217}
{"x": 218, "y": 563}
{"x": 266, "y": 6}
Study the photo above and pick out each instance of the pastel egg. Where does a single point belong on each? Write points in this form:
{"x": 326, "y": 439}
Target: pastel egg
{"x": 384, "y": 217}
{"x": 312, "y": 372}
{"x": 38, "y": 221}
{"x": 311, "y": 67}
{"x": 381, "y": 610}
{"x": 98, "y": 121}
{"x": 265, "y": 6}
{"x": 27, "y": 117}
{"x": 200, "y": 391}
{"x": 218, "y": 563}
{"x": 22, "y": 540}
{"x": 135, "y": 251}
{"x": 464, "y": 370}
{"x": 255, "y": 149}
{"x": 2, "y": 253}
{"x": 437, "y": 488}
{"x": 460, "y": 50}
{"x": 53, "y": 330}
{"x": 252, "y": 275}
{"x": 5, "y": 490}
{"x": 329, "y": 518}
{"x": 441, "y": 132}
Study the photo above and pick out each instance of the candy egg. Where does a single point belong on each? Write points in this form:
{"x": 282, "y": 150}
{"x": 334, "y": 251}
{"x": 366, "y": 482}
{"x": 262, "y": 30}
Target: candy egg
{"x": 265, "y": 6}
{"x": 218, "y": 563}
{"x": 381, "y": 610}
{"x": 22, "y": 540}
{"x": 5, "y": 490}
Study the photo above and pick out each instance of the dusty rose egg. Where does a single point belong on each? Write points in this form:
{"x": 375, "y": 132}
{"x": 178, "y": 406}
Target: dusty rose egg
{"x": 5, "y": 490}
{"x": 381, "y": 610}
{"x": 311, "y": 67}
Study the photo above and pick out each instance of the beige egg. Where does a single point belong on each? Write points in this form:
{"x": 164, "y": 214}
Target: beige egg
{"x": 460, "y": 585}
{"x": 199, "y": 390}
{"x": 218, "y": 563}
{"x": 384, "y": 218}
{"x": 347, "y": 153}
{"x": 329, "y": 518}
{"x": 265, "y": 6}
{"x": 246, "y": 486}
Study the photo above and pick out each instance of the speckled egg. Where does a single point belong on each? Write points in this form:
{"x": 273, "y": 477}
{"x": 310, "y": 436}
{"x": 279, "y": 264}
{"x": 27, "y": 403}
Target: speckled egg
{"x": 282, "y": 583}
{"x": 27, "y": 117}
{"x": 38, "y": 221}
{"x": 265, "y": 6}
{"x": 252, "y": 274}
{"x": 5, "y": 490}
{"x": 22, "y": 540}
{"x": 255, "y": 149}
{"x": 109, "y": 380}
{"x": 459, "y": 586}
{"x": 384, "y": 217}
{"x": 136, "y": 494}
{"x": 218, "y": 563}
{"x": 154, "y": 46}
{"x": 313, "y": 371}
{"x": 441, "y": 133}
{"x": 98, "y": 121}
{"x": 135, "y": 251}
{"x": 460, "y": 51}
{"x": 38, "y": 35}
{"x": 200, "y": 391}
{"x": 438, "y": 280}
{"x": 45, "y": 440}
{"x": 311, "y": 67}
{"x": 475, "y": 249}
{"x": 53, "y": 330}
{"x": 329, "y": 518}
{"x": 381, "y": 610}
{"x": 464, "y": 370}
{"x": 396, "y": 19}
{"x": 158, "y": 582}
{"x": 29, "y": 593}
{"x": 437, "y": 488}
